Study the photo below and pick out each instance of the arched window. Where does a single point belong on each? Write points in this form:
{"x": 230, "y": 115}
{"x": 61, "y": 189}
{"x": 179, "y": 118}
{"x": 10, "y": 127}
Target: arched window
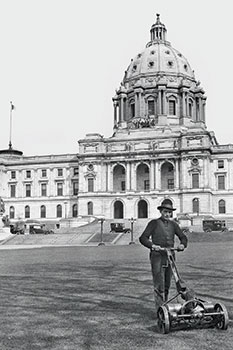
{"x": 90, "y": 208}
{"x": 167, "y": 176}
{"x": 151, "y": 107}
{"x": 118, "y": 210}
{"x": 43, "y": 211}
{"x": 143, "y": 177}
{"x": 172, "y": 107}
{"x": 132, "y": 109}
{"x": 222, "y": 207}
{"x": 27, "y": 212}
{"x": 142, "y": 209}
{"x": 59, "y": 211}
{"x": 119, "y": 178}
{"x": 190, "y": 108}
{"x": 75, "y": 211}
{"x": 12, "y": 212}
{"x": 196, "y": 208}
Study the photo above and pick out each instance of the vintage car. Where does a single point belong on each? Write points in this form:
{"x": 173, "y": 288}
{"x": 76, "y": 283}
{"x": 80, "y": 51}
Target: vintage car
{"x": 214, "y": 225}
{"x": 119, "y": 227}
{"x": 39, "y": 229}
{"x": 17, "y": 229}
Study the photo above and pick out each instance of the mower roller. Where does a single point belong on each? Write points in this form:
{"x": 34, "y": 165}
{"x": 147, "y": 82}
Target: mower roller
{"x": 191, "y": 312}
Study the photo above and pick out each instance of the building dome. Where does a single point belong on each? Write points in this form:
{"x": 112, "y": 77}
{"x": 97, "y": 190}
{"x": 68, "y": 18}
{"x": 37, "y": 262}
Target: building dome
{"x": 159, "y": 88}
{"x": 159, "y": 58}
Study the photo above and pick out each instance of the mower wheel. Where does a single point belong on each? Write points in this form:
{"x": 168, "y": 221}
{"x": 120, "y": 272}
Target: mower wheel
{"x": 223, "y": 323}
{"x": 163, "y": 320}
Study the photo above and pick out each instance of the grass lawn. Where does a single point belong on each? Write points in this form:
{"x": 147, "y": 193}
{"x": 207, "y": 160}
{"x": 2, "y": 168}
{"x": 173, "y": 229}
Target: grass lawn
{"x": 99, "y": 298}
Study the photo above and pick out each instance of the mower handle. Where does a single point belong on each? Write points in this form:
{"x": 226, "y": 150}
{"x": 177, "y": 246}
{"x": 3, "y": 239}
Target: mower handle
{"x": 166, "y": 249}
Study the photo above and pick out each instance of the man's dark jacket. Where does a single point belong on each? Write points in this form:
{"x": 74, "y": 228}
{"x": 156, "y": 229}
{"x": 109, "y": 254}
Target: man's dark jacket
{"x": 162, "y": 232}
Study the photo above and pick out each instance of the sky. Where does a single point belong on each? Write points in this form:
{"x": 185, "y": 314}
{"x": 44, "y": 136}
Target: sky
{"x": 62, "y": 60}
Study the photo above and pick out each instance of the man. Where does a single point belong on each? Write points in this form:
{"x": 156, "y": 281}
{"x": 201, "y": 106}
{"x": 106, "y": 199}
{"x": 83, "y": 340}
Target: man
{"x": 160, "y": 233}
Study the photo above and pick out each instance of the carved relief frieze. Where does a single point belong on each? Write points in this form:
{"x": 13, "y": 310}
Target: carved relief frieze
{"x": 194, "y": 141}
{"x": 142, "y": 122}
{"x": 118, "y": 147}
{"x": 90, "y": 147}
{"x": 142, "y": 146}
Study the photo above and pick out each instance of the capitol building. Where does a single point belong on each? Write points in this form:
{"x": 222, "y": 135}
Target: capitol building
{"x": 160, "y": 148}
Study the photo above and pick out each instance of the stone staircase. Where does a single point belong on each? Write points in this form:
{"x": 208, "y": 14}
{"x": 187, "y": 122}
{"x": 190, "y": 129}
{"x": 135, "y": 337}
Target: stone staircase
{"x": 84, "y": 235}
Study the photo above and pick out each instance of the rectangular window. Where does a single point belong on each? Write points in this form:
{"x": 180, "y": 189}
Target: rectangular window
{"x": 221, "y": 182}
{"x": 195, "y": 180}
{"x": 44, "y": 172}
{"x": 172, "y": 107}
{"x": 75, "y": 188}
{"x": 90, "y": 184}
{"x": 28, "y": 190}
{"x": 220, "y": 164}
{"x": 43, "y": 190}
{"x": 151, "y": 108}
{"x": 146, "y": 185}
{"x": 76, "y": 172}
{"x": 12, "y": 191}
{"x": 170, "y": 184}
{"x": 122, "y": 185}
{"x": 60, "y": 172}
{"x": 13, "y": 174}
{"x": 28, "y": 174}
{"x": 60, "y": 189}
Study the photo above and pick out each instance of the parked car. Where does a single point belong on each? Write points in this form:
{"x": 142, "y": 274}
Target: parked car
{"x": 214, "y": 225}
{"x": 39, "y": 229}
{"x": 17, "y": 229}
{"x": 119, "y": 227}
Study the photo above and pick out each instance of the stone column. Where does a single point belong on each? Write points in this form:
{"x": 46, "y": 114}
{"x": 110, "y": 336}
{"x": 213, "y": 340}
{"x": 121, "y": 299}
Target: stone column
{"x": 159, "y": 102}
{"x": 152, "y": 175}
{"x": 177, "y": 174}
{"x": 106, "y": 177}
{"x": 163, "y": 111}
{"x": 133, "y": 177}
{"x": 158, "y": 175}
{"x": 183, "y": 105}
{"x": 120, "y": 110}
{"x": 200, "y": 109}
{"x": 206, "y": 173}
{"x": 195, "y": 110}
{"x": 110, "y": 177}
{"x": 229, "y": 182}
{"x": 139, "y": 104}
{"x": 128, "y": 177}
{"x": 115, "y": 112}
{"x": 203, "y": 109}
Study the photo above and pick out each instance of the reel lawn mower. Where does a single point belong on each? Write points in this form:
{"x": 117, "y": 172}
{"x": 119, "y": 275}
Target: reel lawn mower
{"x": 192, "y": 312}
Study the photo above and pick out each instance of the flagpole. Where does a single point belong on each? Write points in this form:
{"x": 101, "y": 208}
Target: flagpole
{"x": 11, "y": 109}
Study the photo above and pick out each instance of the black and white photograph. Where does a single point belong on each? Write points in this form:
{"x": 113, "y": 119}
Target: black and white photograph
{"x": 116, "y": 175}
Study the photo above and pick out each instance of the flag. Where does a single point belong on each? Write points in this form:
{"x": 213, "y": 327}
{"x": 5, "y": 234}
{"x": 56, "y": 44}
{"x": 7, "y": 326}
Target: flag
{"x": 12, "y": 106}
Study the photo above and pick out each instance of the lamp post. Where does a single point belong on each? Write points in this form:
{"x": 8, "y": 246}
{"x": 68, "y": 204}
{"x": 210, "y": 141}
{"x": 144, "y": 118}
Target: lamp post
{"x": 65, "y": 209}
{"x": 132, "y": 221}
{"x": 101, "y": 220}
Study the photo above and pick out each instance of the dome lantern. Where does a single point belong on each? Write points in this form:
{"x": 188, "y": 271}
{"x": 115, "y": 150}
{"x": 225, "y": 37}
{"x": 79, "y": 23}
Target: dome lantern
{"x": 158, "y": 30}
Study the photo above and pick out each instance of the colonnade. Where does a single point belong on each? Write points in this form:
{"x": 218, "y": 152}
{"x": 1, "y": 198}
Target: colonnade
{"x": 122, "y": 104}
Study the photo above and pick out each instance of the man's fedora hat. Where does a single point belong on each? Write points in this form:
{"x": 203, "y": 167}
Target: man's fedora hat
{"x": 167, "y": 206}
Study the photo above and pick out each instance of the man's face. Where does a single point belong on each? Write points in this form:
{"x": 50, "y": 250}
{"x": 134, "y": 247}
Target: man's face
{"x": 166, "y": 214}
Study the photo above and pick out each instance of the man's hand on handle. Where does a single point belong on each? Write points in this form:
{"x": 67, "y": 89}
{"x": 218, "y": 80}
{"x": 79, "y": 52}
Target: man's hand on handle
{"x": 180, "y": 247}
{"x": 157, "y": 248}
